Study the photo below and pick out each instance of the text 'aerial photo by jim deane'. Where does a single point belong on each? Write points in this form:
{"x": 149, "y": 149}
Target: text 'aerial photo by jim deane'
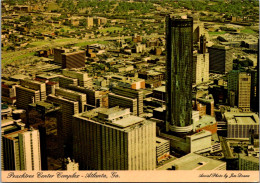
{"x": 130, "y": 90}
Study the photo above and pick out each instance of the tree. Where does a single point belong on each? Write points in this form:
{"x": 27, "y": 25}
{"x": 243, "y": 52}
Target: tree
{"x": 67, "y": 22}
{"x": 55, "y": 18}
{"x": 12, "y": 2}
{"x": 25, "y": 18}
{"x": 58, "y": 2}
{"x": 202, "y": 14}
{"x": 28, "y": 25}
{"x": 10, "y": 48}
{"x": 39, "y": 18}
{"x": 83, "y": 23}
{"x": 101, "y": 66}
{"x": 12, "y": 38}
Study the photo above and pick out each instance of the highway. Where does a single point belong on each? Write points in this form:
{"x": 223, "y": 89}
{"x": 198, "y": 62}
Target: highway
{"x": 8, "y": 56}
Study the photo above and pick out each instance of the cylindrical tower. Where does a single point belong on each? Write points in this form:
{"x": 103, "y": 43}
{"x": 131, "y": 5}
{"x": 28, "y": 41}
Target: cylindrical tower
{"x": 179, "y": 31}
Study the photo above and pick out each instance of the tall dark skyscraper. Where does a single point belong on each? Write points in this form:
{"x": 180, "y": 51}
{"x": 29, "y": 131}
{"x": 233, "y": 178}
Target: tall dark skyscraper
{"x": 257, "y": 86}
{"x": 179, "y": 74}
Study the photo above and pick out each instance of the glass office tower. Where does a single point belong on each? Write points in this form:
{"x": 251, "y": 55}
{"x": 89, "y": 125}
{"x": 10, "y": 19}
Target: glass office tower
{"x": 179, "y": 31}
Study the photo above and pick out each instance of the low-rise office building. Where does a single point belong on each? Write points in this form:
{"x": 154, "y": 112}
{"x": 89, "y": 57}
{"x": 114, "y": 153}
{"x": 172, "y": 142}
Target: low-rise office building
{"x": 162, "y": 149}
{"x": 194, "y": 161}
{"x": 239, "y": 124}
{"x": 197, "y": 142}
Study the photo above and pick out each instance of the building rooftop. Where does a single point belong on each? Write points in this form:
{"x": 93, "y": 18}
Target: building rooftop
{"x": 132, "y": 79}
{"x": 249, "y": 158}
{"x": 111, "y": 111}
{"x": 220, "y": 47}
{"x": 47, "y": 75}
{"x": 65, "y": 77}
{"x": 48, "y": 67}
{"x": 46, "y": 105}
{"x": 14, "y": 135}
{"x": 245, "y": 120}
{"x": 160, "y": 89}
{"x": 69, "y": 91}
{"x": 7, "y": 82}
{"x": 182, "y": 17}
{"x": 61, "y": 98}
{"x": 206, "y": 98}
{"x": 120, "y": 118}
{"x": 42, "y": 103}
{"x": 160, "y": 109}
{"x": 18, "y": 77}
{"x": 205, "y": 121}
{"x": 6, "y": 123}
{"x": 32, "y": 81}
{"x": 73, "y": 53}
{"x": 241, "y": 118}
{"x": 75, "y": 71}
{"x": 153, "y": 73}
{"x": 199, "y": 135}
{"x": 27, "y": 89}
{"x": 160, "y": 141}
{"x": 128, "y": 121}
{"x": 193, "y": 161}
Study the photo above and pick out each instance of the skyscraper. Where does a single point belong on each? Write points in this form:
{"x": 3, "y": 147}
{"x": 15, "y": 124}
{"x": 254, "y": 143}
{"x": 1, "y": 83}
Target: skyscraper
{"x": 257, "y": 86}
{"x": 21, "y": 149}
{"x": 73, "y": 60}
{"x": 220, "y": 59}
{"x": 239, "y": 89}
{"x": 26, "y": 96}
{"x": 45, "y": 116}
{"x": 35, "y": 85}
{"x": 83, "y": 79}
{"x": 69, "y": 108}
{"x": 179, "y": 32}
{"x": 201, "y": 63}
{"x": 127, "y": 93}
{"x": 254, "y": 102}
{"x": 30, "y": 155}
{"x": 244, "y": 86}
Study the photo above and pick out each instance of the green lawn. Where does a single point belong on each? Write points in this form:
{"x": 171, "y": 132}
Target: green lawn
{"x": 66, "y": 28}
{"x": 9, "y": 57}
{"x": 217, "y": 33}
{"x": 39, "y": 43}
{"x": 47, "y": 42}
{"x": 111, "y": 29}
{"x": 7, "y": 61}
{"x": 64, "y": 40}
{"x": 53, "y": 6}
{"x": 248, "y": 31}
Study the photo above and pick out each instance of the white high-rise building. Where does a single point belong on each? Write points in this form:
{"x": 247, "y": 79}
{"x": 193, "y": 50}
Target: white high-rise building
{"x": 30, "y": 155}
{"x": 201, "y": 63}
{"x": 200, "y": 68}
{"x": 112, "y": 139}
{"x": 20, "y": 148}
